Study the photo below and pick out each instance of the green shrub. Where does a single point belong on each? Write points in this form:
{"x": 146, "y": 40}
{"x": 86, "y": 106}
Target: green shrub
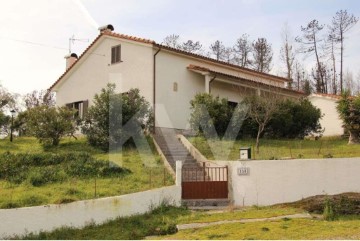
{"x": 10, "y": 204}
{"x": 32, "y": 200}
{"x": 219, "y": 111}
{"x": 291, "y": 119}
{"x": 43, "y": 168}
{"x": 42, "y": 175}
{"x": 294, "y": 119}
{"x": 347, "y": 206}
{"x": 105, "y": 123}
{"x": 329, "y": 213}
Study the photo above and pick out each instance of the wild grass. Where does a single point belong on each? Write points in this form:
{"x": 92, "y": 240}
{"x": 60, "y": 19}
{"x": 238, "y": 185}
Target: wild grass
{"x": 141, "y": 177}
{"x": 326, "y": 147}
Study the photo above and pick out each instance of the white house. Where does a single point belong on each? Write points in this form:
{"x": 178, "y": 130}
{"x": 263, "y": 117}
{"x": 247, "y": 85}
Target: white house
{"x": 168, "y": 78}
{"x": 330, "y": 121}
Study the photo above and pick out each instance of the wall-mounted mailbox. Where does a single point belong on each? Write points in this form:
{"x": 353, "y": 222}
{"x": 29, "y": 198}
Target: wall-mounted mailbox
{"x": 245, "y": 153}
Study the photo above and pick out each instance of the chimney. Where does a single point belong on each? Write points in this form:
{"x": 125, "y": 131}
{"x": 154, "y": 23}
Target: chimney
{"x": 70, "y": 60}
{"x": 106, "y": 28}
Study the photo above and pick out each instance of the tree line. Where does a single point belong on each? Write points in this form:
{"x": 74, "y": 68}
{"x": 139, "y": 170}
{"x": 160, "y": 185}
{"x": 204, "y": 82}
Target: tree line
{"x": 324, "y": 44}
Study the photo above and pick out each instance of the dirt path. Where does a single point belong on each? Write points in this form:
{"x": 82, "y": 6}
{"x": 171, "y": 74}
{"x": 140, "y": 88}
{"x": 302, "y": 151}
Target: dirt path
{"x": 201, "y": 225}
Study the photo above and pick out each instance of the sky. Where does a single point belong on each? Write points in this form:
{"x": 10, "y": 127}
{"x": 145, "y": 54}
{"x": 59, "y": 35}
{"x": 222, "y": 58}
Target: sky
{"x": 34, "y": 34}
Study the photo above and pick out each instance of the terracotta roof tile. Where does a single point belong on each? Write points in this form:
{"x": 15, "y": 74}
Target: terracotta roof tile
{"x": 328, "y": 95}
{"x": 278, "y": 78}
{"x": 195, "y": 67}
{"x": 148, "y": 41}
{"x": 128, "y": 37}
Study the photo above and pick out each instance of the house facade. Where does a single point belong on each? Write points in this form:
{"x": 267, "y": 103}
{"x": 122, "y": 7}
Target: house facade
{"x": 168, "y": 78}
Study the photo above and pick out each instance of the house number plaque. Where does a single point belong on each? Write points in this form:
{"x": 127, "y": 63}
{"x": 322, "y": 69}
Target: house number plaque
{"x": 243, "y": 171}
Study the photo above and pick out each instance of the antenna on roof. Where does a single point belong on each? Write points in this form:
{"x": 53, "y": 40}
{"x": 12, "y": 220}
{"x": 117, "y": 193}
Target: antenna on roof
{"x": 73, "y": 39}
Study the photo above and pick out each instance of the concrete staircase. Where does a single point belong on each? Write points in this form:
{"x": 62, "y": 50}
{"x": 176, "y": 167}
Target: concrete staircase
{"x": 172, "y": 148}
{"x": 173, "y": 151}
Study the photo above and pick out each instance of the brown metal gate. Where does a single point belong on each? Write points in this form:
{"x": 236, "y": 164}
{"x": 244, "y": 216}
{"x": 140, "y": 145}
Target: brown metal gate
{"x": 204, "y": 182}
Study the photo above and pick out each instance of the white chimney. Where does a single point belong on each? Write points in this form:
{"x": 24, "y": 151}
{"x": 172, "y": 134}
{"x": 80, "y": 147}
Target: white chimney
{"x": 70, "y": 60}
{"x": 107, "y": 27}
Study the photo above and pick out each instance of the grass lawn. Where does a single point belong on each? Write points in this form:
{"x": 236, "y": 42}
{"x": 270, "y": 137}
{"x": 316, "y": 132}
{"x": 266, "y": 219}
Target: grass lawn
{"x": 139, "y": 178}
{"x": 160, "y": 224}
{"x": 248, "y": 213}
{"x": 325, "y": 147}
{"x": 280, "y": 229}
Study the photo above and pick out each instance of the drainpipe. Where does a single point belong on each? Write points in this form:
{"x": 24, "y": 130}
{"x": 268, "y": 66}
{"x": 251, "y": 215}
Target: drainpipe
{"x": 154, "y": 87}
{"x": 210, "y": 83}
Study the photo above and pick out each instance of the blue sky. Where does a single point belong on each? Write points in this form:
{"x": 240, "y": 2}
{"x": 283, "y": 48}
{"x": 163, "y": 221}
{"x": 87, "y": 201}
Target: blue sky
{"x": 24, "y": 66}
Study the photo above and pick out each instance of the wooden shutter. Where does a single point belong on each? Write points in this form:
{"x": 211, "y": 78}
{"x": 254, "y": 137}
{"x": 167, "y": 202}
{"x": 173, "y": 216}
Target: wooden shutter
{"x": 85, "y": 107}
{"x": 113, "y": 55}
{"x": 118, "y": 53}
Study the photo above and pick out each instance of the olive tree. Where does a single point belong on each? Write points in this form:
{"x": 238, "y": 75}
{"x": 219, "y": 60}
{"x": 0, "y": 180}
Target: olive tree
{"x": 261, "y": 110}
{"x": 50, "y": 124}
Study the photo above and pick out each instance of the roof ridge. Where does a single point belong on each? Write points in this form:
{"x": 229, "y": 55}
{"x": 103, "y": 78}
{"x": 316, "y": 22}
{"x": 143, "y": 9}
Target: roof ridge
{"x": 149, "y": 41}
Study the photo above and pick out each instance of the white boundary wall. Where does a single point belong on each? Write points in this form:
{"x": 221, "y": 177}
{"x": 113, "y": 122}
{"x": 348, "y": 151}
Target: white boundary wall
{"x": 278, "y": 181}
{"x": 78, "y": 214}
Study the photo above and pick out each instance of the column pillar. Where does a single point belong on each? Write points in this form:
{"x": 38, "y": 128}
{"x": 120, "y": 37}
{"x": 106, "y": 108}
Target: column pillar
{"x": 178, "y": 174}
{"x": 258, "y": 92}
{"x": 207, "y": 83}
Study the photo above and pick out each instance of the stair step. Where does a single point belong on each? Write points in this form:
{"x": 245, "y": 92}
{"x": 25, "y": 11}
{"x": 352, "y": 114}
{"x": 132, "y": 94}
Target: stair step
{"x": 177, "y": 152}
{"x": 172, "y": 148}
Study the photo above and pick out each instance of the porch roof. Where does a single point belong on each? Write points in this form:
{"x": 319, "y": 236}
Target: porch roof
{"x": 243, "y": 81}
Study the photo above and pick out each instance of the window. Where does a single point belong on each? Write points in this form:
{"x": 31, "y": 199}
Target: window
{"x": 81, "y": 108}
{"x": 116, "y": 54}
{"x": 232, "y": 104}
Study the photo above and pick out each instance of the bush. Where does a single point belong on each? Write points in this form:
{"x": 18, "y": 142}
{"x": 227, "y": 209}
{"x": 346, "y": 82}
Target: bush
{"x": 204, "y": 106}
{"x": 114, "y": 118}
{"x": 294, "y": 119}
{"x": 43, "y": 168}
{"x": 291, "y": 118}
{"x": 33, "y": 200}
{"x": 50, "y": 124}
{"x": 329, "y": 213}
{"x": 349, "y": 111}
{"x": 43, "y": 175}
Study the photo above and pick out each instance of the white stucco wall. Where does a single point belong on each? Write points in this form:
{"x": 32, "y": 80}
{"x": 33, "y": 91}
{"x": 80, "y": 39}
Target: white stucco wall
{"x": 330, "y": 121}
{"x": 95, "y": 70}
{"x": 279, "y": 181}
{"x": 77, "y": 214}
{"x": 171, "y": 68}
